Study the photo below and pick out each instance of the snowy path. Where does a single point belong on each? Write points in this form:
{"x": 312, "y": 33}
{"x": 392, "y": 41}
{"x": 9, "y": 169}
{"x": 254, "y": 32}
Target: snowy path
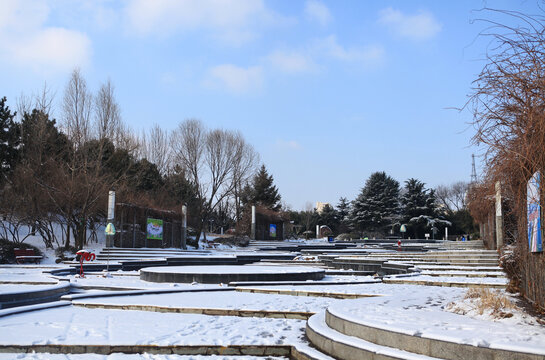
{"x": 75, "y": 325}
{"x": 227, "y": 300}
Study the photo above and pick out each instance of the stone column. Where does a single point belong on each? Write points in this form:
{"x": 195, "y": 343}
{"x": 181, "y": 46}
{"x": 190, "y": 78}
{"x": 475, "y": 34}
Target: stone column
{"x": 499, "y": 217}
{"x": 317, "y": 231}
{"x": 184, "y": 227}
{"x": 253, "y": 230}
{"x": 111, "y": 216}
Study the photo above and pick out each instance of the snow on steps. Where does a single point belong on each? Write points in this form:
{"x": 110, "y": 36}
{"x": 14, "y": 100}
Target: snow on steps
{"x": 347, "y": 340}
{"x": 341, "y": 346}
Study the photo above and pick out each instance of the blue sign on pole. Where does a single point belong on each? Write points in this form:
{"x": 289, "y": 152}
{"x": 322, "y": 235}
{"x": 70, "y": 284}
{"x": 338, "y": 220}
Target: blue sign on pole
{"x": 272, "y": 230}
{"x": 534, "y": 213}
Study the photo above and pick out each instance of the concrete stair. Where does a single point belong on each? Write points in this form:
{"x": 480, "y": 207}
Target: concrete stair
{"x": 345, "y": 339}
{"x": 345, "y": 347}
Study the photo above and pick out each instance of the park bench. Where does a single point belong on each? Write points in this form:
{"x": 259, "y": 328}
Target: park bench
{"x": 26, "y": 255}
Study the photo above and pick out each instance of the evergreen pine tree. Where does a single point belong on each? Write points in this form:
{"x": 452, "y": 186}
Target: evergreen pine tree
{"x": 377, "y": 206}
{"x": 343, "y": 213}
{"x": 10, "y": 138}
{"x": 263, "y": 191}
{"x": 419, "y": 208}
{"x": 329, "y": 216}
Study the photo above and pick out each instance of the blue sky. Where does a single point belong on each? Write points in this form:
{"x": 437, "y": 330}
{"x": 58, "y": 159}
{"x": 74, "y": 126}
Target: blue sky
{"x": 326, "y": 91}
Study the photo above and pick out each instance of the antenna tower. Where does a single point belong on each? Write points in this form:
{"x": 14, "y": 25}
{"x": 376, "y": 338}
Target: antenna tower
{"x": 473, "y": 171}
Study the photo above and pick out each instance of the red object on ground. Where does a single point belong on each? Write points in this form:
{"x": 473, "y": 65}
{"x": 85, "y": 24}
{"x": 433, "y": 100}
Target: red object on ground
{"x": 398, "y": 245}
{"x": 87, "y": 256}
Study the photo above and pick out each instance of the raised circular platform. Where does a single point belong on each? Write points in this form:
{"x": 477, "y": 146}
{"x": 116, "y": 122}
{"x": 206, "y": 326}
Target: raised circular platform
{"x": 215, "y": 274}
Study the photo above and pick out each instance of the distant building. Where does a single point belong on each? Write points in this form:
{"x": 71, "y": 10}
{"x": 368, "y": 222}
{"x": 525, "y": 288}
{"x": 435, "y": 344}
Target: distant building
{"x": 320, "y": 206}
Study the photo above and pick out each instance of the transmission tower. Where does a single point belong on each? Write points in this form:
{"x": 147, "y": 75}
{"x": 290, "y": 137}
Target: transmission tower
{"x": 473, "y": 171}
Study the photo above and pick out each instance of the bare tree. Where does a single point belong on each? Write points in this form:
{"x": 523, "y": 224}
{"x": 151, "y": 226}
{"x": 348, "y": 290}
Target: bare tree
{"x": 107, "y": 114}
{"x": 156, "y": 148}
{"x": 245, "y": 163}
{"x": 77, "y": 106}
{"x": 452, "y": 197}
{"x": 210, "y": 159}
{"x": 42, "y": 101}
{"x": 508, "y": 102}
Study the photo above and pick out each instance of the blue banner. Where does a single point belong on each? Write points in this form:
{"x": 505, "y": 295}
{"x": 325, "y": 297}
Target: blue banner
{"x": 534, "y": 213}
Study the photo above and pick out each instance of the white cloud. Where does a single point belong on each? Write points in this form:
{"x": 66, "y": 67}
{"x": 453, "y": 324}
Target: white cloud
{"x": 317, "y": 11}
{"x": 25, "y": 40}
{"x": 236, "y": 38}
{"x": 291, "y": 62}
{"x": 52, "y": 48}
{"x": 367, "y": 56}
{"x": 421, "y": 26}
{"x": 19, "y": 15}
{"x": 288, "y": 145}
{"x": 233, "y": 20}
{"x": 235, "y": 79}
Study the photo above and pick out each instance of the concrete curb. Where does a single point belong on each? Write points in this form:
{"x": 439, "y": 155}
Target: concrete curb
{"x": 420, "y": 344}
{"x": 161, "y": 275}
{"x": 444, "y": 284}
{"x": 303, "y": 283}
{"x": 305, "y": 293}
{"x": 139, "y": 292}
{"x": 289, "y": 351}
{"x": 29, "y": 308}
{"x": 29, "y": 297}
{"x": 299, "y": 315}
{"x": 341, "y": 346}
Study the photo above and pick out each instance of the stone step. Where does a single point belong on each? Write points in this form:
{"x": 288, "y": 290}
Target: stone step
{"x": 344, "y": 347}
{"x": 419, "y": 344}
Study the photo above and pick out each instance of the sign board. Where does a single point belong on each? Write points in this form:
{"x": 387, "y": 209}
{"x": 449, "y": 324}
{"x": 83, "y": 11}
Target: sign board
{"x": 272, "y": 230}
{"x": 110, "y": 229}
{"x": 534, "y": 213}
{"x": 155, "y": 229}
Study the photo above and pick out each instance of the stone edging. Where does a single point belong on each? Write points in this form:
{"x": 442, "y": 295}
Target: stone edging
{"x": 29, "y": 308}
{"x": 289, "y": 351}
{"x": 305, "y": 293}
{"x": 420, "y": 344}
{"x": 299, "y": 315}
{"x": 444, "y": 284}
{"x": 29, "y": 297}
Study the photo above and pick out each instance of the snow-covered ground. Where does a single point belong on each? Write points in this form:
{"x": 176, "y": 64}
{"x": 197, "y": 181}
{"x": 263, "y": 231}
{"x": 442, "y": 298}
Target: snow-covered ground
{"x": 117, "y": 356}
{"x": 404, "y": 307}
{"x": 225, "y": 300}
{"x": 76, "y": 325}
{"x": 420, "y": 310}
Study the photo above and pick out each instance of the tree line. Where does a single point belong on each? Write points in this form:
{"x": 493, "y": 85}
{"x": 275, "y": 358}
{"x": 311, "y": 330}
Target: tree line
{"x": 57, "y": 171}
{"x": 382, "y": 207}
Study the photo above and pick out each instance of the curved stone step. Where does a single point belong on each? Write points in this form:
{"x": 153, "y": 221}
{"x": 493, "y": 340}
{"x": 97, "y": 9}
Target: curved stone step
{"x": 344, "y": 347}
{"x": 420, "y": 344}
{"x": 42, "y": 294}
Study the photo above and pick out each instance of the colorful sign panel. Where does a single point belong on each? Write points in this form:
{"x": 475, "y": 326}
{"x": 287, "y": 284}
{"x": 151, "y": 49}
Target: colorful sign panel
{"x": 272, "y": 230}
{"x": 155, "y": 229}
{"x": 110, "y": 229}
{"x": 534, "y": 213}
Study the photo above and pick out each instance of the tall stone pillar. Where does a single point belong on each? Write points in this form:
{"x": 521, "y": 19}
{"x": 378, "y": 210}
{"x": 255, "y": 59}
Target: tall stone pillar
{"x": 111, "y": 217}
{"x": 253, "y": 230}
{"x": 184, "y": 227}
{"x": 317, "y": 231}
{"x": 499, "y": 217}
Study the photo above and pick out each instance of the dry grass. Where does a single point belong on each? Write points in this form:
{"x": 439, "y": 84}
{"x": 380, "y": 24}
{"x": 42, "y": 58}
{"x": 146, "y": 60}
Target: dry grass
{"x": 486, "y": 301}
